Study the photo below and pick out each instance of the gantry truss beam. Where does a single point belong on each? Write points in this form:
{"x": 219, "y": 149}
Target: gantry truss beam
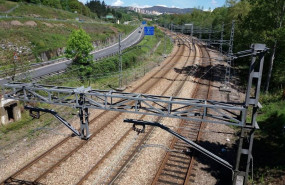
{"x": 165, "y": 106}
{"x": 216, "y": 41}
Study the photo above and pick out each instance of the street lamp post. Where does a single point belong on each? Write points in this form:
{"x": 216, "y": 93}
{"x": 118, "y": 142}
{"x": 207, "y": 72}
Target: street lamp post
{"x": 164, "y": 44}
{"x": 120, "y": 61}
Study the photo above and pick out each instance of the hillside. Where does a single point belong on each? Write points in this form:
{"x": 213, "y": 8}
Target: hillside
{"x": 163, "y": 9}
{"x": 38, "y": 33}
{"x": 8, "y": 8}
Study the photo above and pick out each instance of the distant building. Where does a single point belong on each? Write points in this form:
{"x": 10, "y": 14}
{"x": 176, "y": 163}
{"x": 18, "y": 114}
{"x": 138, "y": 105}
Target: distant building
{"x": 143, "y": 11}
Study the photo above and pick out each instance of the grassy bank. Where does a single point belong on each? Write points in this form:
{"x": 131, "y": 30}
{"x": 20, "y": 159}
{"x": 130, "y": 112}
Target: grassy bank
{"x": 137, "y": 61}
{"x": 31, "y": 30}
{"x": 46, "y": 36}
{"x": 6, "y": 6}
{"x": 269, "y": 143}
{"x": 38, "y": 11}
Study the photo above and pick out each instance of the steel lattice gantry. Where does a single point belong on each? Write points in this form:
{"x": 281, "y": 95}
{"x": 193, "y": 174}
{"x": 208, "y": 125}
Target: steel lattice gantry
{"x": 235, "y": 114}
{"x": 165, "y": 106}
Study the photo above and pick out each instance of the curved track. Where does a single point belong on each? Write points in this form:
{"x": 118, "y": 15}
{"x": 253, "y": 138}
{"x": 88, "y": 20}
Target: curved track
{"x": 38, "y": 169}
{"x": 176, "y": 167}
{"x": 43, "y": 167}
{"x": 129, "y": 155}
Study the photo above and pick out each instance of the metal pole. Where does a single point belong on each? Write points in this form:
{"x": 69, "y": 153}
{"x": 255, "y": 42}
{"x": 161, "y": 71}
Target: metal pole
{"x": 229, "y": 60}
{"x": 222, "y": 38}
{"x": 244, "y": 153}
{"x": 120, "y": 62}
{"x": 192, "y": 32}
{"x": 164, "y": 44}
{"x": 210, "y": 35}
{"x": 232, "y": 39}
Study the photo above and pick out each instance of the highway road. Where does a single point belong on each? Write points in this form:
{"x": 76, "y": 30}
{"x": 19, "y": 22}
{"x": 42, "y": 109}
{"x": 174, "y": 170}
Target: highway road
{"x": 129, "y": 41}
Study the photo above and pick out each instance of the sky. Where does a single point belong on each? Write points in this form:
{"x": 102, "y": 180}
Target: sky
{"x": 206, "y": 4}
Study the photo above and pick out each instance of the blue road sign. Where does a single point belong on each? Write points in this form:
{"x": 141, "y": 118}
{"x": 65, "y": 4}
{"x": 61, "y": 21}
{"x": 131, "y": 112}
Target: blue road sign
{"x": 143, "y": 22}
{"x": 149, "y": 30}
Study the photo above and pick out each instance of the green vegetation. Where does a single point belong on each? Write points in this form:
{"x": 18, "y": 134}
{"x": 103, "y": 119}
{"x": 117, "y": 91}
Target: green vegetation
{"x": 123, "y": 14}
{"x": 39, "y": 11}
{"x": 48, "y": 36}
{"x": 68, "y": 5}
{"x": 28, "y": 127}
{"x": 44, "y": 29}
{"x": 78, "y": 48}
{"x": 106, "y": 70}
{"x": 256, "y": 21}
{"x": 99, "y": 8}
{"x": 67, "y": 10}
{"x": 136, "y": 62}
{"x": 6, "y": 5}
{"x": 269, "y": 144}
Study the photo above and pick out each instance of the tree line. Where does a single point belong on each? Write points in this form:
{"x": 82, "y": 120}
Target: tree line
{"x": 93, "y": 8}
{"x": 100, "y": 8}
{"x": 68, "y": 5}
{"x": 256, "y": 21}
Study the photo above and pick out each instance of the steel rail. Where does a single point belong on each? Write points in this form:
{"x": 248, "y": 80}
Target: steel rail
{"x": 30, "y": 164}
{"x": 130, "y": 158}
{"x": 175, "y": 141}
{"x": 202, "y": 126}
{"x": 96, "y": 166}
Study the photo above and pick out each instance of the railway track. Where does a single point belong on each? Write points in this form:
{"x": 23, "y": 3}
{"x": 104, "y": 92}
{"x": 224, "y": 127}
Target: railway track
{"x": 130, "y": 152}
{"x": 39, "y": 168}
{"x": 176, "y": 167}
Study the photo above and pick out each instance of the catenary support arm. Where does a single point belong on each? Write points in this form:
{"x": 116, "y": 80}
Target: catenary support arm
{"x": 191, "y": 143}
{"x": 68, "y": 125}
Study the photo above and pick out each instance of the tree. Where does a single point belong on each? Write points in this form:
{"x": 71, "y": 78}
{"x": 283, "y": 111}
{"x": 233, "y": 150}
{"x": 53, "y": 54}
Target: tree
{"x": 52, "y": 3}
{"x": 279, "y": 22}
{"x": 78, "y": 48}
{"x": 266, "y": 25}
{"x": 96, "y": 7}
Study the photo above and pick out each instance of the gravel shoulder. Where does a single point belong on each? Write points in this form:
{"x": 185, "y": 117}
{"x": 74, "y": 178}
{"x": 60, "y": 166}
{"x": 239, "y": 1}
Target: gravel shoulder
{"x": 217, "y": 138}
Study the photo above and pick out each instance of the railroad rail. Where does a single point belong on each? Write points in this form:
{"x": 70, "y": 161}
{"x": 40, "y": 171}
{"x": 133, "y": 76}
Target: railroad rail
{"x": 176, "y": 167}
{"x": 130, "y": 154}
{"x": 212, "y": 111}
{"x": 67, "y": 147}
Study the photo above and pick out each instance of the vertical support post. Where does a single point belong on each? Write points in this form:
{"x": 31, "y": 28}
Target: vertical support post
{"x": 222, "y": 38}
{"x": 229, "y": 59}
{"x": 84, "y": 120}
{"x": 86, "y": 114}
{"x": 200, "y": 34}
{"x": 164, "y": 44}
{"x": 231, "y": 45}
{"x": 120, "y": 62}
{"x": 192, "y": 32}
{"x": 244, "y": 154}
{"x": 210, "y": 35}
